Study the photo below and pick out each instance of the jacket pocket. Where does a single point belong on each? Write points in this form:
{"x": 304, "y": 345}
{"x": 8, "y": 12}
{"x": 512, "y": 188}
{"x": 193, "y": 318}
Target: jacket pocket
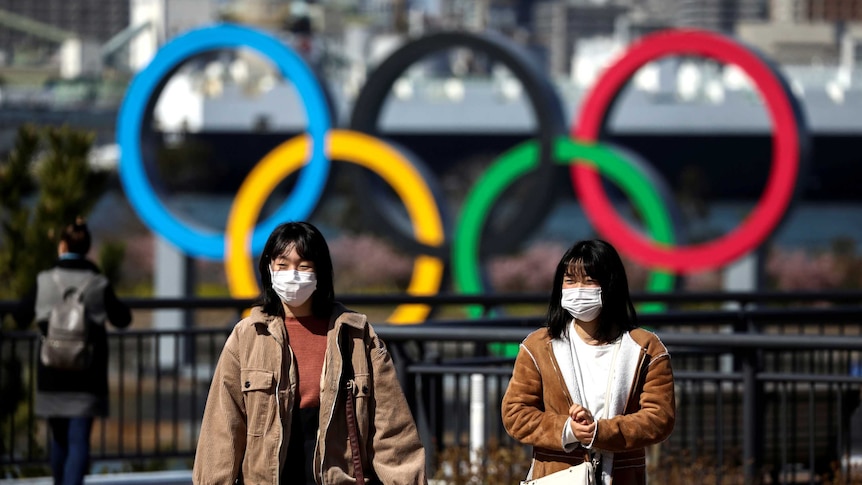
{"x": 258, "y": 390}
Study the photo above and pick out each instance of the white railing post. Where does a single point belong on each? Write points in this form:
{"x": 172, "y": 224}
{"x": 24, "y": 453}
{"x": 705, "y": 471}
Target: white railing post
{"x": 477, "y": 419}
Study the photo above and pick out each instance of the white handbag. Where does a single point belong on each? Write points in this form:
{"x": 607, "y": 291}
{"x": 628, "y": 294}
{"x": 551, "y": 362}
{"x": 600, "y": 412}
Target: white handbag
{"x": 580, "y": 474}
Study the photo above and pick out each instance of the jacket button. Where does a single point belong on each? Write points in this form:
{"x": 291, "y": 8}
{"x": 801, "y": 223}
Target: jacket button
{"x": 364, "y": 389}
{"x": 247, "y": 384}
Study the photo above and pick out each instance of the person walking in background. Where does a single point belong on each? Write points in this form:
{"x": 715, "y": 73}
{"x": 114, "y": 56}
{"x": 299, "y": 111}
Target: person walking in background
{"x": 71, "y": 398}
{"x": 304, "y": 391}
{"x": 591, "y": 385}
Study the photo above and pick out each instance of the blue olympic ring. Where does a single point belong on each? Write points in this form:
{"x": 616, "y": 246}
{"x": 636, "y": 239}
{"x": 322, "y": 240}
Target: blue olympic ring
{"x": 311, "y": 181}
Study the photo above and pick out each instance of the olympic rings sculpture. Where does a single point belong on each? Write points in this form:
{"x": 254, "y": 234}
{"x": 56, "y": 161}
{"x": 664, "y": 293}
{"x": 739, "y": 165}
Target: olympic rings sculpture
{"x": 430, "y": 237}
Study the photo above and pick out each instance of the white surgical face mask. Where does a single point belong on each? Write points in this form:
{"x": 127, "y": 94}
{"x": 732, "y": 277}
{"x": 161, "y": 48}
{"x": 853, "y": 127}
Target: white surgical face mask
{"x": 293, "y": 287}
{"x": 585, "y": 304}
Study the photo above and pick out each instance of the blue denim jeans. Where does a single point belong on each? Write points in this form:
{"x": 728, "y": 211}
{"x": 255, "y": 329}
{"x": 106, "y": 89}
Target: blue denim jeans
{"x": 70, "y": 449}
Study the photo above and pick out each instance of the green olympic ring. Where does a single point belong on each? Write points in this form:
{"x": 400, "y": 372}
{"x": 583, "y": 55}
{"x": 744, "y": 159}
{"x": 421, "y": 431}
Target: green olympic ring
{"x": 522, "y": 159}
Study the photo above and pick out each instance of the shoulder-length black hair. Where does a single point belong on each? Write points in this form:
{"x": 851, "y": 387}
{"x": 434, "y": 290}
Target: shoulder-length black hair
{"x": 601, "y": 262}
{"x": 310, "y": 245}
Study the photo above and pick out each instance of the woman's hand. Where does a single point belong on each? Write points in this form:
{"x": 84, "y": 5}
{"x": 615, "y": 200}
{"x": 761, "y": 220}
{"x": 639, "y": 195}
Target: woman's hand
{"x": 580, "y": 414}
{"x": 583, "y": 425}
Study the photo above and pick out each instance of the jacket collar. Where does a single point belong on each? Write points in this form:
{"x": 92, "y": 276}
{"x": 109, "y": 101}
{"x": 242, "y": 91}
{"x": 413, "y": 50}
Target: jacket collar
{"x": 341, "y": 315}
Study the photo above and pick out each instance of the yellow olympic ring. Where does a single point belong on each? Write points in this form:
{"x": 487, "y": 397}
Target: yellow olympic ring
{"x": 353, "y": 147}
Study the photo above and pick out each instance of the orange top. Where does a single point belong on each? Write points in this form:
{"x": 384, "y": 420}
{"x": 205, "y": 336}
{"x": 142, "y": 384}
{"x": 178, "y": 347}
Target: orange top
{"x": 307, "y": 337}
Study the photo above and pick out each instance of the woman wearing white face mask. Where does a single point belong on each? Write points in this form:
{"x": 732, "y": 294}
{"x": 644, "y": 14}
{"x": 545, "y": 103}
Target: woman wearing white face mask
{"x": 591, "y": 385}
{"x": 304, "y": 391}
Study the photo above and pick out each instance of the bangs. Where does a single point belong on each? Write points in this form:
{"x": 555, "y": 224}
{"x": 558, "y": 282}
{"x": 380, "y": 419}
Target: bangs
{"x": 575, "y": 268}
{"x": 297, "y": 242}
{"x": 582, "y": 265}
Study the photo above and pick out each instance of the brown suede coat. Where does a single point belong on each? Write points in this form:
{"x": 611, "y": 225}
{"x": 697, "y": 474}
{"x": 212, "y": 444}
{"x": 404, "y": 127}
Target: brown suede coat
{"x": 535, "y": 409}
{"x": 246, "y": 423}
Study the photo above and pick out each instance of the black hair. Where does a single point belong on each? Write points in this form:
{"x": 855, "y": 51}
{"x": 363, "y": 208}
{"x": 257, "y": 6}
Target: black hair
{"x": 601, "y": 262}
{"x": 77, "y": 237}
{"x": 309, "y": 245}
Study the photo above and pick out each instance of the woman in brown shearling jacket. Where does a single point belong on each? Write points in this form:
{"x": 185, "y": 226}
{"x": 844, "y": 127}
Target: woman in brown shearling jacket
{"x": 591, "y": 385}
{"x": 276, "y": 410}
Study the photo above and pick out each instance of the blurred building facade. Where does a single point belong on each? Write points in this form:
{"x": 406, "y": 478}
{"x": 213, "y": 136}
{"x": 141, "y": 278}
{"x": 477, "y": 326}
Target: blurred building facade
{"x": 809, "y": 32}
{"x": 32, "y": 27}
{"x": 32, "y": 32}
{"x": 56, "y": 38}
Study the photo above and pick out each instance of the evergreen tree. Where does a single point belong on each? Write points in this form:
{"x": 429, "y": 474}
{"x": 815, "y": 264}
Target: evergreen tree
{"x": 45, "y": 182}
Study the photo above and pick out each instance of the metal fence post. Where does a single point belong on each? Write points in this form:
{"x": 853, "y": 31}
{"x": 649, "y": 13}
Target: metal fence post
{"x": 752, "y": 418}
{"x": 749, "y": 416}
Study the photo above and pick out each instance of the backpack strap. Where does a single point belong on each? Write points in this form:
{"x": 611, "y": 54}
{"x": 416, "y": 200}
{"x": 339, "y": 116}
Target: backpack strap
{"x": 55, "y": 275}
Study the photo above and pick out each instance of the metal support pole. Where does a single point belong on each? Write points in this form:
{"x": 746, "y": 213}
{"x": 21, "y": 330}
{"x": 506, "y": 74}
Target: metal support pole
{"x": 749, "y": 417}
{"x": 752, "y": 417}
{"x": 174, "y": 278}
{"x": 477, "y": 419}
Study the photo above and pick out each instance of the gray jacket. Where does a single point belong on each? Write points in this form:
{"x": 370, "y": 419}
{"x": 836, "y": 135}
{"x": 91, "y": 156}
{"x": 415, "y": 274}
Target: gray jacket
{"x": 62, "y": 393}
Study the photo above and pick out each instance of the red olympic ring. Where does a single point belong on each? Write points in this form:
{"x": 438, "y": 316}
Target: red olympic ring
{"x": 780, "y": 185}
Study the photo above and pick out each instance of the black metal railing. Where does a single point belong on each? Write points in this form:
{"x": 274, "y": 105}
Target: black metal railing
{"x": 766, "y": 383}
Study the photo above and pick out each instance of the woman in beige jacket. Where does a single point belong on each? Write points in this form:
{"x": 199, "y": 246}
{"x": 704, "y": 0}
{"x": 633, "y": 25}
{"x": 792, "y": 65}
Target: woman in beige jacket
{"x": 591, "y": 385}
{"x": 276, "y": 410}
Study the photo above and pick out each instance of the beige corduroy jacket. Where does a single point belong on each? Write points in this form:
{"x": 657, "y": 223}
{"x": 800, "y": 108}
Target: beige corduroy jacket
{"x": 535, "y": 407}
{"x": 247, "y": 419}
